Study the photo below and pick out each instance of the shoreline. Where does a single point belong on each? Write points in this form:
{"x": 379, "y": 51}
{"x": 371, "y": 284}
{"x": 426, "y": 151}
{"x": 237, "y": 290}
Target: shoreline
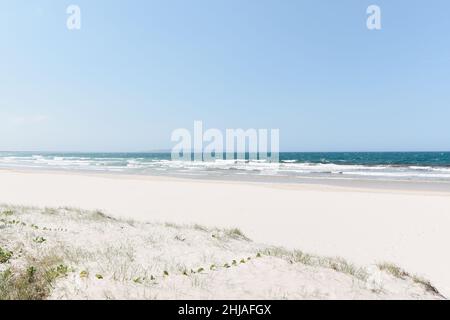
{"x": 341, "y": 184}
{"x": 366, "y": 225}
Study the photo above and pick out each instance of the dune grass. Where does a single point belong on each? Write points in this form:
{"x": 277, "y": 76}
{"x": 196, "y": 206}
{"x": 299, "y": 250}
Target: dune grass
{"x": 399, "y": 273}
{"x": 5, "y": 255}
{"x": 32, "y": 273}
{"x": 335, "y": 263}
{"x": 236, "y": 233}
{"x": 34, "y": 282}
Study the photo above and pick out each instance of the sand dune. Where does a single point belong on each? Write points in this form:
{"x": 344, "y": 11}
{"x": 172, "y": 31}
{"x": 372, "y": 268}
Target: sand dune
{"x": 366, "y": 226}
{"x": 72, "y": 254}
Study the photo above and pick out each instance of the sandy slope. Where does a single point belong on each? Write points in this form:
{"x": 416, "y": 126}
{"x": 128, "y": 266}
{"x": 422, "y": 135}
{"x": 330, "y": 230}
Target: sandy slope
{"x": 95, "y": 257}
{"x": 409, "y": 228}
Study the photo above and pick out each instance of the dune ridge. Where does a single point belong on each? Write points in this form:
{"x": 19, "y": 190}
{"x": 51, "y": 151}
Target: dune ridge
{"x": 66, "y": 253}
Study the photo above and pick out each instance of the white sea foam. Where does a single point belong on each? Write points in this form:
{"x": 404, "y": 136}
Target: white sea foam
{"x": 224, "y": 167}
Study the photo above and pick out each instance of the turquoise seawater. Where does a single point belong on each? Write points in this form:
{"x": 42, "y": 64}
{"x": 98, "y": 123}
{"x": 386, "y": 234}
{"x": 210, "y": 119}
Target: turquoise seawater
{"x": 369, "y": 165}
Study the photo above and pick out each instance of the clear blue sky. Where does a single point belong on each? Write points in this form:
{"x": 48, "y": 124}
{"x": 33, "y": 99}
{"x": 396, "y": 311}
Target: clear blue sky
{"x": 139, "y": 69}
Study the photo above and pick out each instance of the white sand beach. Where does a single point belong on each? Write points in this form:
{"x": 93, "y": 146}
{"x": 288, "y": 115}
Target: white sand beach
{"x": 365, "y": 226}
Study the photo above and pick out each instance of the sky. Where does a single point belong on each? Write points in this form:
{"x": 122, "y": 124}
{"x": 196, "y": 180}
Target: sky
{"x": 137, "y": 70}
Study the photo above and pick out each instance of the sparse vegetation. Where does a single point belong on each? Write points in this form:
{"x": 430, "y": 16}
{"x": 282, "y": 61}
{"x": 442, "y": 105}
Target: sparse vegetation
{"x": 399, "y": 273}
{"x": 84, "y": 274}
{"x": 393, "y": 270}
{"x": 141, "y": 255}
{"x": 8, "y": 212}
{"x": 138, "y": 280}
{"x": 180, "y": 238}
{"x": 200, "y": 228}
{"x": 426, "y": 283}
{"x": 337, "y": 264}
{"x": 34, "y": 282}
{"x": 39, "y": 239}
{"x": 50, "y": 211}
{"x": 172, "y": 225}
{"x": 5, "y": 255}
{"x": 97, "y": 214}
{"x": 236, "y": 233}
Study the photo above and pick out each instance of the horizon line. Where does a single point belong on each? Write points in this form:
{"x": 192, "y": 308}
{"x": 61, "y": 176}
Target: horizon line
{"x": 169, "y": 151}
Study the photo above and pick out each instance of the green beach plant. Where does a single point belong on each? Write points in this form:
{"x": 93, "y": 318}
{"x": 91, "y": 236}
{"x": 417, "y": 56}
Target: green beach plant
{"x": 399, "y": 273}
{"x": 236, "y": 233}
{"x": 137, "y": 280}
{"x": 84, "y": 274}
{"x": 335, "y": 263}
{"x": 34, "y": 282}
{"x": 5, "y": 255}
{"x": 8, "y": 212}
{"x": 39, "y": 239}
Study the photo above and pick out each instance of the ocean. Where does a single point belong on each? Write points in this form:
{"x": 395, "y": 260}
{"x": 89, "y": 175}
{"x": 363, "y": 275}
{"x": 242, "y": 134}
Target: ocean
{"x": 427, "y": 166}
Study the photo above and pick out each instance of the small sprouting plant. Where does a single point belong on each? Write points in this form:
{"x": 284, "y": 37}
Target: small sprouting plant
{"x": 84, "y": 274}
{"x": 39, "y": 239}
{"x": 5, "y": 255}
{"x": 212, "y": 267}
{"x": 200, "y": 270}
{"x": 242, "y": 261}
{"x": 137, "y": 280}
{"x": 180, "y": 238}
{"x": 31, "y": 272}
{"x": 234, "y": 263}
{"x": 166, "y": 273}
{"x": 62, "y": 269}
{"x": 99, "y": 276}
{"x": 58, "y": 272}
{"x": 226, "y": 265}
{"x": 8, "y": 212}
